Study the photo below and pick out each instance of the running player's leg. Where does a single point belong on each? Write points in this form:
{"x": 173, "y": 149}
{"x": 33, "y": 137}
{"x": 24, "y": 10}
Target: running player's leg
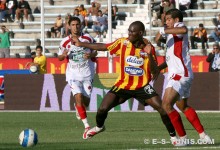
{"x": 77, "y": 91}
{"x": 110, "y": 100}
{"x": 148, "y": 95}
{"x": 156, "y": 103}
{"x": 170, "y": 97}
{"x": 193, "y": 118}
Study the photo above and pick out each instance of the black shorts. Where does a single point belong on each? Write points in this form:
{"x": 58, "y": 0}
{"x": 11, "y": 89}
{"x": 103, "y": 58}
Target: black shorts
{"x": 142, "y": 94}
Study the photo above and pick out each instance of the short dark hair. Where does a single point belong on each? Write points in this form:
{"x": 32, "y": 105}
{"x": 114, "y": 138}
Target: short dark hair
{"x": 39, "y": 47}
{"x": 216, "y": 44}
{"x": 175, "y": 13}
{"x": 74, "y": 19}
{"x": 76, "y": 9}
{"x": 201, "y": 25}
{"x": 139, "y": 24}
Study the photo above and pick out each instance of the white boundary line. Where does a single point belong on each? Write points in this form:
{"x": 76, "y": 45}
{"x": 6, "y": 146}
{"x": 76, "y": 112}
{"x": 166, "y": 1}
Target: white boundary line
{"x": 95, "y": 111}
{"x": 211, "y": 147}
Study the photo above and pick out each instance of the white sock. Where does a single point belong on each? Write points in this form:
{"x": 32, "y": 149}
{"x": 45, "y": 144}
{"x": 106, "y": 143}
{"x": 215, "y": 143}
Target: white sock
{"x": 202, "y": 135}
{"x": 98, "y": 129}
{"x": 85, "y": 122}
{"x": 183, "y": 137}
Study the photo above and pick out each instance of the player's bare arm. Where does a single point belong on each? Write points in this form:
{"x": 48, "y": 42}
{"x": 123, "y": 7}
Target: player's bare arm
{"x": 153, "y": 64}
{"x": 176, "y": 30}
{"x": 157, "y": 37}
{"x": 93, "y": 46}
{"x": 162, "y": 66}
{"x": 63, "y": 56}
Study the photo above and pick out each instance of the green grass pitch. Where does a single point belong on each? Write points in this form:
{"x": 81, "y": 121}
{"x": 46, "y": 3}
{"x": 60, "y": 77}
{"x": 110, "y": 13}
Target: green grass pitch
{"x": 124, "y": 130}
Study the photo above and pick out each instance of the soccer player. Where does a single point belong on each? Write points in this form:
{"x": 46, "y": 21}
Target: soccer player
{"x": 180, "y": 76}
{"x": 80, "y": 68}
{"x": 137, "y": 61}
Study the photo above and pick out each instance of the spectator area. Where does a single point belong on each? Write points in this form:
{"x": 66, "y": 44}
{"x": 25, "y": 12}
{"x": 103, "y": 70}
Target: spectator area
{"x": 127, "y": 13}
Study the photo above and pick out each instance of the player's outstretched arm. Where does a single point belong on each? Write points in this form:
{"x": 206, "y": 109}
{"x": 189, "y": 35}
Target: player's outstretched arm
{"x": 93, "y": 46}
{"x": 157, "y": 37}
{"x": 153, "y": 63}
{"x": 176, "y": 30}
{"x": 162, "y": 66}
{"x": 63, "y": 56}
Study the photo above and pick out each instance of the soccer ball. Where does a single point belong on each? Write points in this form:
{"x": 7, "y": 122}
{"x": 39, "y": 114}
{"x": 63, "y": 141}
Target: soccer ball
{"x": 28, "y": 138}
{"x": 33, "y": 69}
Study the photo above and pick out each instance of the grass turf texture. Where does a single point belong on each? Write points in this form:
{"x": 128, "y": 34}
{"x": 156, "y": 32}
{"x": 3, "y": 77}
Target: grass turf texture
{"x": 124, "y": 130}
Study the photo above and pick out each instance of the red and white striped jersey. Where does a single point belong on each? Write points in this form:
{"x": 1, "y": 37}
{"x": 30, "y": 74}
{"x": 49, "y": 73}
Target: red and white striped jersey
{"x": 177, "y": 55}
{"x": 78, "y": 67}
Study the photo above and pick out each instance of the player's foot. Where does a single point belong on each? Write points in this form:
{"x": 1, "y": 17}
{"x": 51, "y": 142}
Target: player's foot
{"x": 77, "y": 113}
{"x": 206, "y": 139}
{"x": 94, "y": 131}
{"x": 85, "y": 132}
{"x": 184, "y": 141}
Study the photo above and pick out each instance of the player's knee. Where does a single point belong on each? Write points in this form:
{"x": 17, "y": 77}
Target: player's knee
{"x": 102, "y": 110}
{"x": 166, "y": 106}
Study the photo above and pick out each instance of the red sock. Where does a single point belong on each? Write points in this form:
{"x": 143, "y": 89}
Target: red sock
{"x": 193, "y": 118}
{"x": 81, "y": 111}
{"x": 177, "y": 123}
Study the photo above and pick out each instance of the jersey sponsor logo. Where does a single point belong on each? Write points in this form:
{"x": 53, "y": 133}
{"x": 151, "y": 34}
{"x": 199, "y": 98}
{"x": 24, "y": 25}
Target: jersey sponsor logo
{"x": 134, "y": 61}
{"x": 134, "y": 71}
{"x": 143, "y": 54}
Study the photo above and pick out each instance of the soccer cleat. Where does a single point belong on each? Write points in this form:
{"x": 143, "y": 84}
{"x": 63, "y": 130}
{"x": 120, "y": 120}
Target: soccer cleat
{"x": 180, "y": 142}
{"x": 85, "y": 133}
{"x": 77, "y": 113}
{"x": 206, "y": 140}
{"x": 94, "y": 131}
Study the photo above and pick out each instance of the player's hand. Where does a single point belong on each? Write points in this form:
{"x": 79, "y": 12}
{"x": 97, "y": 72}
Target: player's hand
{"x": 65, "y": 52}
{"x": 76, "y": 41}
{"x": 148, "y": 48}
{"x": 87, "y": 56}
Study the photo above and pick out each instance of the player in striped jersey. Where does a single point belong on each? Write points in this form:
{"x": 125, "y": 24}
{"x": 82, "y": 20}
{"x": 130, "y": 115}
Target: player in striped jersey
{"x": 80, "y": 68}
{"x": 180, "y": 76}
{"x": 137, "y": 63}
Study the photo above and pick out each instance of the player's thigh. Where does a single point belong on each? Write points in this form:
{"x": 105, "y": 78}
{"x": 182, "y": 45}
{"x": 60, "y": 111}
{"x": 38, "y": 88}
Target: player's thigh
{"x": 114, "y": 97}
{"x": 76, "y": 86}
{"x": 170, "y": 96}
{"x": 87, "y": 88}
{"x": 172, "y": 92}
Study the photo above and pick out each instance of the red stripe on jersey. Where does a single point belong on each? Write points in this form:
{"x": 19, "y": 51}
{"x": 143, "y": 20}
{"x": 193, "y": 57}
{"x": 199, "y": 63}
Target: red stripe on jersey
{"x": 122, "y": 61}
{"x": 178, "y": 49}
{"x": 140, "y": 79}
{"x": 131, "y": 78}
{"x": 66, "y": 42}
{"x": 87, "y": 38}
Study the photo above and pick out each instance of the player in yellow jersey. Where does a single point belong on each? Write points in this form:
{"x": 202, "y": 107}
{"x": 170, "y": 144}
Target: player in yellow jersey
{"x": 137, "y": 63}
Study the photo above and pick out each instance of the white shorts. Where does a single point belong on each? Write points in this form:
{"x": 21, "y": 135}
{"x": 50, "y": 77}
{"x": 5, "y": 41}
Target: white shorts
{"x": 182, "y": 86}
{"x": 84, "y": 87}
